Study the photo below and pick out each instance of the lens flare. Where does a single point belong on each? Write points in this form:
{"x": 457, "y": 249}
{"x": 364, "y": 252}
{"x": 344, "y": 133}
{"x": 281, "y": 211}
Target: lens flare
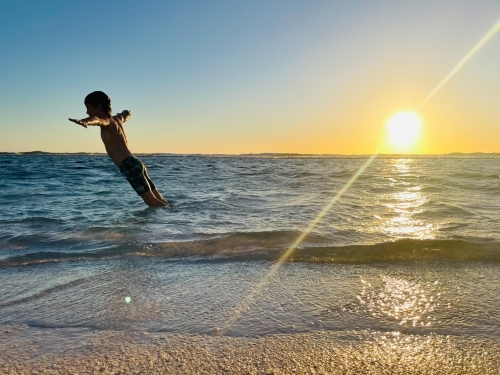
{"x": 243, "y": 306}
{"x": 485, "y": 39}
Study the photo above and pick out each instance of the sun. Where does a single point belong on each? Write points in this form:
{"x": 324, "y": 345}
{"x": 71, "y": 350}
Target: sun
{"x": 403, "y": 131}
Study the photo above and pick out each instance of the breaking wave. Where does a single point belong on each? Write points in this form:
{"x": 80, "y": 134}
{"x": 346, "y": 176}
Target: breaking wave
{"x": 270, "y": 246}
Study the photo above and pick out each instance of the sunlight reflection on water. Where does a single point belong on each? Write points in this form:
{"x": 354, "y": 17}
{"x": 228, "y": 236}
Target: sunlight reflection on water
{"x": 404, "y": 301}
{"x": 405, "y": 203}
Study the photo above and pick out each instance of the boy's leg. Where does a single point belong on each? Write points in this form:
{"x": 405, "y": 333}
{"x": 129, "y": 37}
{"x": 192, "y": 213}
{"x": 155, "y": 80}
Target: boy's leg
{"x": 151, "y": 200}
{"x": 153, "y": 188}
{"x": 136, "y": 174}
{"x": 158, "y": 196}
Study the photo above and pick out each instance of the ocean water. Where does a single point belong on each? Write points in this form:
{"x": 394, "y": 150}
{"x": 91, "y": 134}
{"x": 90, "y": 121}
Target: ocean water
{"x": 412, "y": 246}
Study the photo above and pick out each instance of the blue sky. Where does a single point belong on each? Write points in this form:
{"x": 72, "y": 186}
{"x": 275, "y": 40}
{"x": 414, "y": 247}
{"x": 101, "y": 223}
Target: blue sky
{"x": 241, "y": 76}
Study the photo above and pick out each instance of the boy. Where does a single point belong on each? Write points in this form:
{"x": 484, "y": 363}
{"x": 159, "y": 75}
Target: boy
{"x": 113, "y": 136}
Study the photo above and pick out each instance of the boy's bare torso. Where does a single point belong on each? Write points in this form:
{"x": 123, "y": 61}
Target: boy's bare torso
{"x": 112, "y": 134}
{"x": 115, "y": 140}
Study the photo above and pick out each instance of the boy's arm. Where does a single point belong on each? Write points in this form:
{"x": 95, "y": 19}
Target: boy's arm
{"x": 90, "y": 121}
{"x": 124, "y": 116}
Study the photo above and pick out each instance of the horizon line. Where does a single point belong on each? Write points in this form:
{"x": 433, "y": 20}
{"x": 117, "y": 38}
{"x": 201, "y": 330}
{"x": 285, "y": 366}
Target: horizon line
{"x": 242, "y": 154}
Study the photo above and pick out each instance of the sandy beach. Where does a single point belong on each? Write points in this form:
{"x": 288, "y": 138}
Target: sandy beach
{"x": 25, "y": 350}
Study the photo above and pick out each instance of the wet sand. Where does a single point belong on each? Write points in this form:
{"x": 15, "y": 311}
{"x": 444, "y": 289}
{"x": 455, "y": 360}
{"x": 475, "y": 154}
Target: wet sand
{"x": 25, "y": 350}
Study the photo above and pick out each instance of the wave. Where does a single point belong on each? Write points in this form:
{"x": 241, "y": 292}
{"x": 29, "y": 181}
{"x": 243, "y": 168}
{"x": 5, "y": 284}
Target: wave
{"x": 248, "y": 247}
{"x": 271, "y": 246}
{"x": 34, "y": 220}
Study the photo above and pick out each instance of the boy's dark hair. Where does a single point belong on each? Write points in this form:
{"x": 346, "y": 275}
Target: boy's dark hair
{"x": 99, "y": 98}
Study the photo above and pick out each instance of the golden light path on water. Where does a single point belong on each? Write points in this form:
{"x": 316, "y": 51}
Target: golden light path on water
{"x": 243, "y": 306}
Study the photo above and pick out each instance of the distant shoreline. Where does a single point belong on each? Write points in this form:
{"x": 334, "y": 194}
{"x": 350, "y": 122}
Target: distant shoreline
{"x": 264, "y": 155}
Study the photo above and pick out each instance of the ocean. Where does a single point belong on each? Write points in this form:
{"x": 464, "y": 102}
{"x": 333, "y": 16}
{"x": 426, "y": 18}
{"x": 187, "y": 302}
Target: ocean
{"x": 410, "y": 250}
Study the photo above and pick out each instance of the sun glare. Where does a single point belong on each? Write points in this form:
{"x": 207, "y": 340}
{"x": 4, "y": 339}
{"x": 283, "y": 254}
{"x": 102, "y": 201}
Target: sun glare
{"x": 403, "y": 131}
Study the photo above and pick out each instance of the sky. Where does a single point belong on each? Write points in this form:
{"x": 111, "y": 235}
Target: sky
{"x": 233, "y": 77}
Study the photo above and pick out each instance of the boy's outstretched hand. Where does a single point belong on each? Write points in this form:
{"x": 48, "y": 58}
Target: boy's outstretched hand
{"x": 79, "y": 122}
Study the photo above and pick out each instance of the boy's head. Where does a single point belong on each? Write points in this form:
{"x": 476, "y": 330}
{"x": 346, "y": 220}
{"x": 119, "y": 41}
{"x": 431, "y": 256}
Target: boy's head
{"x": 98, "y": 101}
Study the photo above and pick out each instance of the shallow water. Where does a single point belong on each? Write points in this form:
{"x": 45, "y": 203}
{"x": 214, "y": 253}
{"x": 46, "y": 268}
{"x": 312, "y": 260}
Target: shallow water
{"x": 412, "y": 247}
{"x": 206, "y": 297}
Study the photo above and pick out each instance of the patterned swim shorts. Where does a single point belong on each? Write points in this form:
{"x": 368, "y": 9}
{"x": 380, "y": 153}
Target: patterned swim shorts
{"x": 136, "y": 173}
